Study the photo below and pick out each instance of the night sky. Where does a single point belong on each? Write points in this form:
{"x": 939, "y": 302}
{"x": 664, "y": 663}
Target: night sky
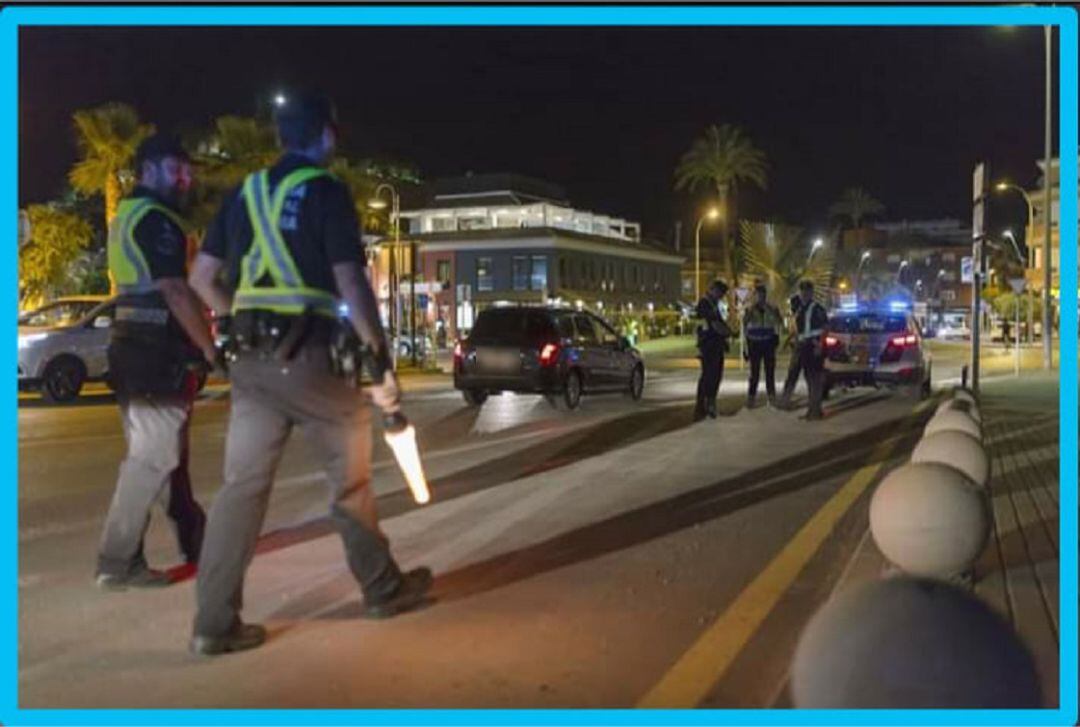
{"x": 605, "y": 113}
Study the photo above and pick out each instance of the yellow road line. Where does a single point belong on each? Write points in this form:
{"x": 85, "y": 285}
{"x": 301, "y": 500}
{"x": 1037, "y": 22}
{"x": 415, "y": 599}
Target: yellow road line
{"x": 691, "y": 678}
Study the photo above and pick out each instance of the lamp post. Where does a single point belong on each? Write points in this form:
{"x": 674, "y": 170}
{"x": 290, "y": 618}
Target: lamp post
{"x": 900, "y": 271}
{"x": 858, "y": 271}
{"x": 376, "y": 202}
{"x": 1048, "y": 351}
{"x": 712, "y": 214}
{"x": 818, "y": 244}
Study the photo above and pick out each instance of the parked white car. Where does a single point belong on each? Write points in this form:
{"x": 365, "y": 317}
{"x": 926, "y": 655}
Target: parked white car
{"x": 953, "y": 332}
{"x": 63, "y": 345}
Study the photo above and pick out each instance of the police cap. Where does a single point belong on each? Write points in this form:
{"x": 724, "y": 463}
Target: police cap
{"x": 807, "y": 285}
{"x": 159, "y": 146}
{"x": 302, "y": 117}
{"x": 719, "y": 285}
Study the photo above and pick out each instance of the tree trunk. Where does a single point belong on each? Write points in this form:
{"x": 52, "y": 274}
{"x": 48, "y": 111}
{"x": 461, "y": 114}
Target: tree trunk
{"x": 112, "y": 204}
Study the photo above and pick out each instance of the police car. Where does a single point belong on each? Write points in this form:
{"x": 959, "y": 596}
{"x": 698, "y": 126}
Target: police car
{"x": 879, "y": 346}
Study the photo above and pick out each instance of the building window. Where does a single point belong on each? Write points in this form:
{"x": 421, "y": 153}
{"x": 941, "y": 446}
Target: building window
{"x": 473, "y": 223}
{"x": 538, "y": 279}
{"x": 443, "y": 224}
{"x": 519, "y": 272}
{"x": 949, "y": 257}
{"x": 442, "y": 271}
{"x": 485, "y": 279}
{"x": 949, "y": 295}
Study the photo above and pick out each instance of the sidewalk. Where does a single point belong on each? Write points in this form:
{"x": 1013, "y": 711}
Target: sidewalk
{"x": 1018, "y": 571}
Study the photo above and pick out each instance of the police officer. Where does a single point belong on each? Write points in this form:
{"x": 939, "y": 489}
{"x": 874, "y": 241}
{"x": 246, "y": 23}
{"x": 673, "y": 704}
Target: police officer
{"x": 713, "y": 334}
{"x": 158, "y": 338}
{"x": 794, "y": 365}
{"x": 283, "y": 251}
{"x": 761, "y": 330}
{"x": 810, "y": 324}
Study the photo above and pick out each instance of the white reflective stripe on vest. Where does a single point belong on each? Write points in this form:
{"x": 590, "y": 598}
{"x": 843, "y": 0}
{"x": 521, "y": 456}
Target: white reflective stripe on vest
{"x": 809, "y": 332}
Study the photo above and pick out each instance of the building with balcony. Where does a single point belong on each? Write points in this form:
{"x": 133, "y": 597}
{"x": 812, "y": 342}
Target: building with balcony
{"x": 484, "y": 240}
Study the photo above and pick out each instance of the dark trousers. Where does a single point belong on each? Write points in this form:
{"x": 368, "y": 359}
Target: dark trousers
{"x": 762, "y": 353}
{"x": 813, "y": 366}
{"x": 794, "y": 369}
{"x": 712, "y": 373}
{"x": 155, "y": 468}
{"x": 267, "y": 402}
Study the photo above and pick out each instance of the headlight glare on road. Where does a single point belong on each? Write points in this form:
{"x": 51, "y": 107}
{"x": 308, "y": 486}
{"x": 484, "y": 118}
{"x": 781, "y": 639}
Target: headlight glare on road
{"x": 30, "y": 339}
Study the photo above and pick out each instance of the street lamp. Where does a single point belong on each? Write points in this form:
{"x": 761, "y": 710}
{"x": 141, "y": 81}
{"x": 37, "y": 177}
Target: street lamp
{"x": 279, "y": 99}
{"x": 376, "y": 202}
{"x": 712, "y": 214}
{"x": 858, "y": 271}
{"x": 818, "y": 244}
{"x": 900, "y": 271}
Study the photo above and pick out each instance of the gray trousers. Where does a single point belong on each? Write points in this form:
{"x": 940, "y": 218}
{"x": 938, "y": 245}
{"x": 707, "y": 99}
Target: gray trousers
{"x": 155, "y": 468}
{"x": 267, "y": 402}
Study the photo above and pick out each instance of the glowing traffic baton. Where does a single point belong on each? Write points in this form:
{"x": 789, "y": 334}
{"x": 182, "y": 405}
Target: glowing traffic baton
{"x": 401, "y": 436}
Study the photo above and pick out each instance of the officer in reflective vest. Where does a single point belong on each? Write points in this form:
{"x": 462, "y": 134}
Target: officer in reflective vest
{"x": 158, "y": 338}
{"x": 810, "y": 324}
{"x": 282, "y": 253}
{"x": 761, "y": 330}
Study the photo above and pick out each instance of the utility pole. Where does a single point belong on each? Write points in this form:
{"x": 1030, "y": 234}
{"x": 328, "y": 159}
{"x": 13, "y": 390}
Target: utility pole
{"x": 980, "y": 197}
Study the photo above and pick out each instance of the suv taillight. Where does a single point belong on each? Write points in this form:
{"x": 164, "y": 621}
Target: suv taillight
{"x": 549, "y": 353}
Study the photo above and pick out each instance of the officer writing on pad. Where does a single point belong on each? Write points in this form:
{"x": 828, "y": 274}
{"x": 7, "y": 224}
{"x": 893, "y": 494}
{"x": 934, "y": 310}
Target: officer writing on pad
{"x": 283, "y": 251}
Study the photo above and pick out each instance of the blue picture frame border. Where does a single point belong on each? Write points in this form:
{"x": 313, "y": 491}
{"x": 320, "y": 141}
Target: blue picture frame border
{"x": 1064, "y": 18}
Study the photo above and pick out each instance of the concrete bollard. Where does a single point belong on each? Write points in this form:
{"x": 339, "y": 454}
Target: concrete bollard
{"x": 962, "y": 405}
{"x": 907, "y": 643}
{"x": 955, "y": 449}
{"x": 952, "y": 419}
{"x": 964, "y": 394}
{"x": 930, "y": 520}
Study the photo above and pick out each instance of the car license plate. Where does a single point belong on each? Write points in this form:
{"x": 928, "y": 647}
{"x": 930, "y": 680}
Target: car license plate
{"x": 499, "y": 361}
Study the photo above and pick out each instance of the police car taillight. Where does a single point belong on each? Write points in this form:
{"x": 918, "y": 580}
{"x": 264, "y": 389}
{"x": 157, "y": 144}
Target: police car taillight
{"x": 901, "y": 341}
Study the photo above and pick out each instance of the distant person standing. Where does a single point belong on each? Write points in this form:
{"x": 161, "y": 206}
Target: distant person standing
{"x": 761, "y": 330}
{"x": 794, "y": 365}
{"x": 810, "y": 324}
{"x": 712, "y": 336}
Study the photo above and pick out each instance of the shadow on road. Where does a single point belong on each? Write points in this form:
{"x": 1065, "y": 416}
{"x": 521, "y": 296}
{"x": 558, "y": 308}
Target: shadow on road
{"x": 84, "y": 400}
{"x": 663, "y": 518}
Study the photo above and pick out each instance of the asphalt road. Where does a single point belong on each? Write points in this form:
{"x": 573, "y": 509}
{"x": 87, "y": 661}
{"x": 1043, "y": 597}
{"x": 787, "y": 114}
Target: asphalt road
{"x": 562, "y": 580}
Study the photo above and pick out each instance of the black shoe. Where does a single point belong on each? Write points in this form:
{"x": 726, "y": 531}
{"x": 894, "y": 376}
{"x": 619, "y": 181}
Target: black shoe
{"x": 712, "y": 411}
{"x": 144, "y": 578}
{"x": 699, "y": 414}
{"x": 751, "y": 403}
{"x": 411, "y": 593}
{"x": 242, "y": 637}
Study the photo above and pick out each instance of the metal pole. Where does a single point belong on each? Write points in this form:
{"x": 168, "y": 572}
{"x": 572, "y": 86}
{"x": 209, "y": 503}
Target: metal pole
{"x": 697, "y": 261}
{"x": 412, "y": 298}
{"x": 976, "y": 317}
{"x": 1048, "y": 351}
{"x": 397, "y": 275}
{"x": 1016, "y": 364}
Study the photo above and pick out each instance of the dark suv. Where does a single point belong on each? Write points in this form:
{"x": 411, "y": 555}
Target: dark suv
{"x": 558, "y": 352}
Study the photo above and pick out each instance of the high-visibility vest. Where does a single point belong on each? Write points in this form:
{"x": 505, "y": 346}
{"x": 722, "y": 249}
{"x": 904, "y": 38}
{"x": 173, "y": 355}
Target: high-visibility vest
{"x": 127, "y": 264}
{"x": 761, "y": 324}
{"x": 809, "y": 333}
{"x": 287, "y": 294}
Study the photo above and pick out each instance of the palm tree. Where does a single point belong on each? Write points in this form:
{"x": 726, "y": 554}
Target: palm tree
{"x": 107, "y": 137}
{"x": 856, "y": 204}
{"x": 236, "y": 147}
{"x": 362, "y": 182}
{"x": 722, "y": 159}
{"x": 779, "y": 256}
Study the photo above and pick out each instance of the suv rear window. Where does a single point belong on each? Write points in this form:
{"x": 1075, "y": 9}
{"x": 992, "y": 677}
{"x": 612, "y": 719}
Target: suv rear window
{"x": 512, "y": 325}
{"x": 868, "y": 323}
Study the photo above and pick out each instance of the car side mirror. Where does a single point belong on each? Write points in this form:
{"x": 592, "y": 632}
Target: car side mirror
{"x": 102, "y": 322}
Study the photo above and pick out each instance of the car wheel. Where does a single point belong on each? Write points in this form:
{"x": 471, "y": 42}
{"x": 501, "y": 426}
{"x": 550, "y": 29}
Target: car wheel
{"x": 63, "y": 379}
{"x": 637, "y": 383}
{"x": 572, "y": 390}
{"x": 474, "y": 397}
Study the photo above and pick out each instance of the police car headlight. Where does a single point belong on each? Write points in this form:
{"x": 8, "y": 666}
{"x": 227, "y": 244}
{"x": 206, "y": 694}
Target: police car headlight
{"x": 30, "y": 339}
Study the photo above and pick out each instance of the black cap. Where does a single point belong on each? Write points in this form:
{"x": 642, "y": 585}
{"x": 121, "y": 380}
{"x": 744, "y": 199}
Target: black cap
{"x": 158, "y": 146}
{"x": 303, "y": 116}
{"x": 806, "y": 285}
{"x": 719, "y": 285}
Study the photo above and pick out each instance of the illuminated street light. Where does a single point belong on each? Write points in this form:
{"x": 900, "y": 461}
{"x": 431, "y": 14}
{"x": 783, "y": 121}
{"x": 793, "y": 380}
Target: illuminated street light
{"x": 818, "y": 244}
{"x": 279, "y": 99}
{"x": 712, "y": 214}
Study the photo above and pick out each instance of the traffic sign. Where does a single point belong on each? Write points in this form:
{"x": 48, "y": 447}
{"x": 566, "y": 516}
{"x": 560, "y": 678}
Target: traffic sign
{"x": 1017, "y": 284}
{"x": 967, "y": 270}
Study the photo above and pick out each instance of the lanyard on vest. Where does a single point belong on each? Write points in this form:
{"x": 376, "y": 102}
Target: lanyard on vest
{"x": 269, "y": 254}
{"x": 127, "y": 263}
